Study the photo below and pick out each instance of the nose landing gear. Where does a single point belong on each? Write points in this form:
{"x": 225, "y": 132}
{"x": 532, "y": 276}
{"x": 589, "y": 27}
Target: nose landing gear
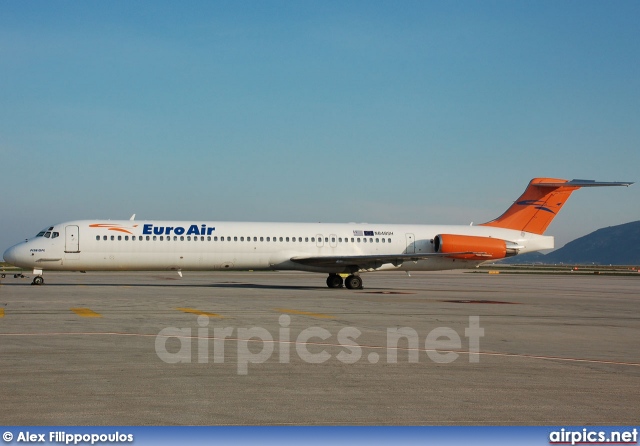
{"x": 38, "y": 280}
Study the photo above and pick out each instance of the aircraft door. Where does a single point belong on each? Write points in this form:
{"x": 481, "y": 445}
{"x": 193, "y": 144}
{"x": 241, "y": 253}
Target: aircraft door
{"x": 411, "y": 243}
{"x": 72, "y": 239}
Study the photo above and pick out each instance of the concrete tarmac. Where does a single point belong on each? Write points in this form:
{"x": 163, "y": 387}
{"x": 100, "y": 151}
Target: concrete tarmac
{"x": 91, "y": 349}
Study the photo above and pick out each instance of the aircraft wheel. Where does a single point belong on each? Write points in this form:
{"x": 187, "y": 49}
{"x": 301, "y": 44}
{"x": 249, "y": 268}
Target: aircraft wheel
{"x": 353, "y": 282}
{"x": 3, "y": 276}
{"x": 39, "y": 280}
{"x": 334, "y": 281}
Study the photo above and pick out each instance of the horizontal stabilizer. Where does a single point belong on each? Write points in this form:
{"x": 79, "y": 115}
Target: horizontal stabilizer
{"x": 585, "y": 183}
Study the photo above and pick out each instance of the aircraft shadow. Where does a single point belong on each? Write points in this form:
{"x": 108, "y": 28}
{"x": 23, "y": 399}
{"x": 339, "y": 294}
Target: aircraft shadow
{"x": 177, "y": 285}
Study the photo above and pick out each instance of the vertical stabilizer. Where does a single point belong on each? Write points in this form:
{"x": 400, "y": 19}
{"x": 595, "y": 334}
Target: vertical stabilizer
{"x": 541, "y": 202}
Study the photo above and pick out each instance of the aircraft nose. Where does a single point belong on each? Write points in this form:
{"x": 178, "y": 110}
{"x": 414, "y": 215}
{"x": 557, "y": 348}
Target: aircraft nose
{"x": 11, "y": 255}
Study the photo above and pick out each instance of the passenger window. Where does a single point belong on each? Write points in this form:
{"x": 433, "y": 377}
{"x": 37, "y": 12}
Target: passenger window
{"x": 262, "y": 239}
{"x": 268, "y": 239}
{"x": 313, "y": 239}
{"x": 280, "y": 238}
{"x": 181, "y": 238}
{"x": 371, "y": 240}
{"x": 162, "y": 238}
{"x": 235, "y": 239}
{"x": 364, "y": 240}
{"x": 215, "y": 239}
{"x": 208, "y": 238}
{"x": 242, "y": 239}
{"x": 293, "y": 239}
{"x": 104, "y": 237}
{"x": 358, "y": 239}
{"x": 389, "y": 240}
{"x": 306, "y": 239}
{"x": 126, "y": 238}
{"x": 326, "y": 239}
{"x": 287, "y": 238}
{"x": 148, "y": 238}
{"x": 188, "y": 238}
{"x": 339, "y": 239}
{"x": 352, "y": 240}
{"x": 383, "y": 240}
{"x": 97, "y": 237}
{"x": 229, "y": 239}
{"x": 119, "y": 237}
{"x": 113, "y": 237}
{"x": 255, "y": 239}
{"x": 175, "y": 238}
{"x": 333, "y": 239}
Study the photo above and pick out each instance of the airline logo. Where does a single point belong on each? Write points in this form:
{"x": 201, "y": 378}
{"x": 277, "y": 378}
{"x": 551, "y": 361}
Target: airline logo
{"x": 150, "y": 229}
{"x": 203, "y": 229}
{"x": 112, "y": 227}
{"x": 538, "y": 204}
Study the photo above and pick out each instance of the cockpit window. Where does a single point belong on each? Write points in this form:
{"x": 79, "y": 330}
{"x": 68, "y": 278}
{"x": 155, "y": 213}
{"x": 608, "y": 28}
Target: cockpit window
{"x": 45, "y": 231}
{"x": 55, "y": 234}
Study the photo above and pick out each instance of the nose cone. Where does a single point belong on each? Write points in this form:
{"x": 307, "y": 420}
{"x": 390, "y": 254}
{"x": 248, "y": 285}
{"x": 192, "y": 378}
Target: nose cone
{"x": 12, "y": 256}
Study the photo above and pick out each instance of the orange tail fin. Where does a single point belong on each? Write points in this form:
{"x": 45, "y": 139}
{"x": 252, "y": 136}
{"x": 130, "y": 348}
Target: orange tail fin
{"x": 540, "y": 203}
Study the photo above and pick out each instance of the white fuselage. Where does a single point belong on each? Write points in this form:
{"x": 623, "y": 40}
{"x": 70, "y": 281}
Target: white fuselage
{"x": 98, "y": 245}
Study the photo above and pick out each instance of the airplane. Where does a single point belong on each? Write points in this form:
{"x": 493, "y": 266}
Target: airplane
{"x": 335, "y": 249}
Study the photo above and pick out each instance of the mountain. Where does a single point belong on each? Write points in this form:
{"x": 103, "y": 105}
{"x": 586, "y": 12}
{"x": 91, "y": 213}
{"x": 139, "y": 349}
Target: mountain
{"x": 614, "y": 245}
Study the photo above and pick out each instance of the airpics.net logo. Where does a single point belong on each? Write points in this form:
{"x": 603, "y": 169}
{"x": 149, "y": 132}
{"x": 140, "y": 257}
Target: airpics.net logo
{"x": 257, "y": 345}
{"x": 590, "y": 436}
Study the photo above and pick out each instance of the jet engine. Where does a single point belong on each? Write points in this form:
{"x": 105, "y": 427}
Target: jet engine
{"x": 478, "y": 248}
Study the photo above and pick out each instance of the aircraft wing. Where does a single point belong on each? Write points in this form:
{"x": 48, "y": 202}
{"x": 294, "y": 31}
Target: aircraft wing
{"x": 376, "y": 261}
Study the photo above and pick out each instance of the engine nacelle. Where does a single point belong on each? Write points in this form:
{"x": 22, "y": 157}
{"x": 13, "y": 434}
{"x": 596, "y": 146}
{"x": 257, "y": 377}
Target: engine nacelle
{"x": 485, "y": 248}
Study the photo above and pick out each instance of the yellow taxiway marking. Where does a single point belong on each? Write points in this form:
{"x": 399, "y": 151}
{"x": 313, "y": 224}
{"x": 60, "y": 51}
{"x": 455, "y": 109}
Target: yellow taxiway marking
{"x": 305, "y": 313}
{"x": 1, "y": 312}
{"x": 198, "y": 312}
{"x": 85, "y": 312}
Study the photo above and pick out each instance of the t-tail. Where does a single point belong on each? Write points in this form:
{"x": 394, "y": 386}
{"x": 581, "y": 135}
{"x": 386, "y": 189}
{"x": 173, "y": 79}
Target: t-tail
{"x": 541, "y": 202}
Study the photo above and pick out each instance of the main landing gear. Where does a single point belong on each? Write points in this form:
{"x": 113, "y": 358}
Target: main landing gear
{"x": 352, "y": 282}
{"x": 38, "y": 280}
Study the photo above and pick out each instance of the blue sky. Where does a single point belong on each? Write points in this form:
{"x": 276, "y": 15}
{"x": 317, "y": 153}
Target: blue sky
{"x": 368, "y": 111}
